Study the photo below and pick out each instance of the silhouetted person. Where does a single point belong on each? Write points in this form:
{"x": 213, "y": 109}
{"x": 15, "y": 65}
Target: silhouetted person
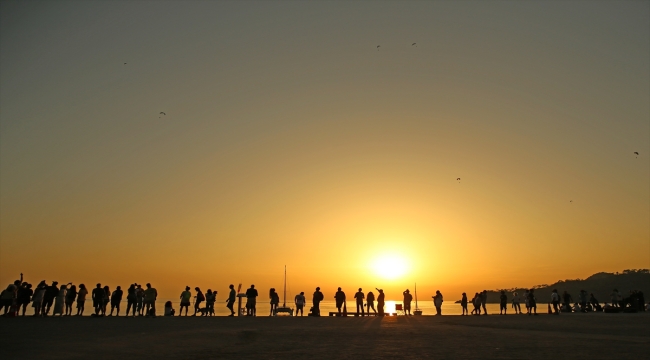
{"x": 186, "y": 297}
{"x": 116, "y": 299}
{"x": 139, "y": 298}
{"x": 555, "y": 300}
{"x": 59, "y": 301}
{"x": 7, "y": 298}
{"x": 37, "y": 299}
{"x": 567, "y": 300}
{"x": 476, "y": 301}
{"x": 340, "y": 299}
{"x": 463, "y": 304}
{"x": 316, "y": 299}
{"x": 98, "y": 298}
{"x": 251, "y": 301}
{"x": 484, "y": 301}
{"x": 380, "y": 302}
{"x": 594, "y": 303}
{"x": 81, "y": 299}
{"x": 24, "y": 297}
{"x": 516, "y": 303}
{"x": 275, "y": 301}
{"x": 107, "y": 299}
{"x": 48, "y": 298}
{"x": 503, "y": 303}
{"x": 150, "y": 296}
{"x": 232, "y": 296}
{"x": 210, "y": 298}
{"x": 370, "y": 303}
{"x": 583, "y": 300}
{"x": 198, "y": 299}
{"x": 437, "y": 302}
{"x": 300, "y": 301}
{"x": 70, "y": 297}
{"x": 532, "y": 302}
{"x": 130, "y": 299}
{"x": 359, "y": 296}
{"x": 407, "y": 301}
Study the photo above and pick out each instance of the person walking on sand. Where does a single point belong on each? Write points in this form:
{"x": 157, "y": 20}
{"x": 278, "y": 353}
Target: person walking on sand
{"x": 116, "y": 299}
{"x": 232, "y": 296}
{"x": 185, "y": 297}
{"x": 48, "y": 299}
{"x": 81, "y": 299}
{"x": 463, "y": 304}
{"x": 150, "y": 296}
{"x": 483, "y": 298}
{"x": 70, "y": 297}
{"x": 380, "y": 302}
{"x": 139, "y": 298}
{"x": 107, "y": 299}
{"x": 210, "y": 299}
{"x": 583, "y": 300}
{"x": 24, "y": 297}
{"x": 359, "y": 296}
{"x": 300, "y": 301}
{"x": 370, "y": 303}
{"x": 476, "y": 302}
{"x": 130, "y": 299}
{"x": 503, "y": 303}
{"x": 275, "y": 301}
{"x": 98, "y": 298}
{"x": 567, "y": 301}
{"x": 527, "y": 302}
{"x": 251, "y": 301}
{"x": 516, "y": 300}
{"x": 555, "y": 300}
{"x": 437, "y": 302}
{"x": 408, "y": 298}
{"x": 198, "y": 299}
{"x": 316, "y": 299}
{"x": 532, "y": 302}
{"x": 340, "y": 299}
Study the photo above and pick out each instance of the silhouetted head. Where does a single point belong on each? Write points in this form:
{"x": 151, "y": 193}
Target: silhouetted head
{"x": 82, "y": 286}
{"x": 515, "y": 294}
{"x": 318, "y": 289}
{"x": 407, "y": 291}
{"x": 106, "y": 288}
{"x": 99, "y": 286}
{"x": 464, "y": 294}
{"x": 197, "y": 289}
{"x": 381, "y": 291}
{"x": 302, "y": 293}
{"x": 232, "y": 286}
{"x": 438, "y": 292}
{"x": 119, "y": 288}
{"x": 503, "y": 292}
{"x": 139, "y": 286}
{"x": 29, "y": 286}
{"x": 209, "y": 291}
{"x": 252, "y": 286}
{"x": 339, "y": 289}
{"x": 55, "y": 283}
{"x": 187, "y": 288}
{"x": 359, "y": 289}
{"x": 148, "y": 286}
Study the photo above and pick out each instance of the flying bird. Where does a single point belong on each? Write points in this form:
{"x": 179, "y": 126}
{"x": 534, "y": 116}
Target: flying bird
{"x": 162, "y": 113}
{"x": 124, "y": 63}
{"x": 636, "y": 153}
{"x": 458, "y": 179}
{"x": 570, "y": 201}
{"x": 378, "y": 46}
{"x": 412, "y": 44}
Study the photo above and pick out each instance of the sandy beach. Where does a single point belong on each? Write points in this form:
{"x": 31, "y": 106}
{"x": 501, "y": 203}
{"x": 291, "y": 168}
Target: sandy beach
{"x": 577, "y": 336}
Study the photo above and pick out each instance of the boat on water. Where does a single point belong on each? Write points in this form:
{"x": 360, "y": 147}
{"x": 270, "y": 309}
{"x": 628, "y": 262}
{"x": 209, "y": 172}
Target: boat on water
{"x": 417, "y": 310}
{"x": 284, "y": 309}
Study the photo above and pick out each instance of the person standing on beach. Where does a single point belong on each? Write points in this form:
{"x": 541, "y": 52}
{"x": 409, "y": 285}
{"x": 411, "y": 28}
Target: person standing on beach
{"x": 583, "y": 300}
{"x": 48, "y": 299}
{"x": 37, "y": 300}
{"x": 116, "y": 299}
{"x": 532, "y": 302}
{"x": 139, "y": 298}
{"x": 370, "y": 303}
{"x": 567, "y": 301}
{"x": 516, "y": 300}
{"x": 130, "y": 299}
{"x": 275, "y": 301}
{"x": 407, "y": 301}
{"x": 463, "y": 304}
{"x": 98, "y": 298}
{"x": 476, "y": 302}
{"x": 24, "y": 297}
{"x": 251, "y": 301}
{"x": 185, "y": 297}
{"x": 526, "y": 301}
{"x": 484, "y": 301}
{"x": 70, "y": 297}
{"x": 231, "y": 300}
{"x": 359, "y": 296}
{"x": 437, "y": 302}
{"x": 150, "y": 296}
{"x": 210, "y": 299}
{"x": 300, "y": 301}
{"x": 340, "y": 299}
{"x": 107, "y": 299}
{"x": 555, "y": 300}
{"x": 81, "y": 299}
{"x": 380, "y": 302}
{"x": 316, "y": 299}
{"x": 503, "y": 303}
{"x": 198, "y": 299}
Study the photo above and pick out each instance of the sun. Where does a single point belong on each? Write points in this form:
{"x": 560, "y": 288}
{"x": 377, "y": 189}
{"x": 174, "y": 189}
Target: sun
{"x": 390, "y": 266}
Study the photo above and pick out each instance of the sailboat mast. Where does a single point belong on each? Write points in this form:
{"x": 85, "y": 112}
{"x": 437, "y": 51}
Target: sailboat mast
{"x": 416, "y": 296}
{"x": 284, "y": 296}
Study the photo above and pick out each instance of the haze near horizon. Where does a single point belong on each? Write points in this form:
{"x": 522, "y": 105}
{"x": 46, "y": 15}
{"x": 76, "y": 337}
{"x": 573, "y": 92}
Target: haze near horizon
{"x": 209, "y": 143}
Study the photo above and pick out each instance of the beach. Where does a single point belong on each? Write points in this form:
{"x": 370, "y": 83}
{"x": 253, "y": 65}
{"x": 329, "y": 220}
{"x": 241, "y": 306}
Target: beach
{"x": 592, "y": 336}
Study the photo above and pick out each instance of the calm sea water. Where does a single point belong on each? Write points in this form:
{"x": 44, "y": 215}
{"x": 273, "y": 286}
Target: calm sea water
{"x": 263, "y": 307}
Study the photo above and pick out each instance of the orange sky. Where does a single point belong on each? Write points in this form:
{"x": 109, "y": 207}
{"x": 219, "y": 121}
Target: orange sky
{"x": 290, "y": 138}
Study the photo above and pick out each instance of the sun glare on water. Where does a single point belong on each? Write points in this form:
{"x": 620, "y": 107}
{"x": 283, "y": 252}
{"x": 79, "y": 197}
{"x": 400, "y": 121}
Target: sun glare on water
{"x": 390, "y": 266}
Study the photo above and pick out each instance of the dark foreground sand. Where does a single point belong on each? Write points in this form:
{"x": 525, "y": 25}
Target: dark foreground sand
{"x": 569, "y": 336}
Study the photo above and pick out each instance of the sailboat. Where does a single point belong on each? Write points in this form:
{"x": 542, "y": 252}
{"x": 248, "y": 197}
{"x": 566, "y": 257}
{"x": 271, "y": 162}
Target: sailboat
{"x": 284, "y": 308}
{"x": 417, "y": 310}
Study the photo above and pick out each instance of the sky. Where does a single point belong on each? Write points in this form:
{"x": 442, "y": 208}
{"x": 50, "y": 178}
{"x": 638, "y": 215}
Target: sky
{"x": 316, "y": 135}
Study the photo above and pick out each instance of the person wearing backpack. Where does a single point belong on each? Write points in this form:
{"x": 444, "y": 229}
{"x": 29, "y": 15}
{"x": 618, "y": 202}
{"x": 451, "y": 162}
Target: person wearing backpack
{"x": 199, "y": 299}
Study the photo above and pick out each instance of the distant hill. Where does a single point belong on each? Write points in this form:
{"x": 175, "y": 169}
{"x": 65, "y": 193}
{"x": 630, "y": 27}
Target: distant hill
{"x": 600, "y": 284}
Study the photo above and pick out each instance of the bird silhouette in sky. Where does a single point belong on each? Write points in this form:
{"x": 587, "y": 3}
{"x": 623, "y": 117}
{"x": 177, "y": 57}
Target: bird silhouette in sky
{"x": 161, "y": 113}
{"x": 378, "y": 46}
{"x": 414, "y": 44}
{"x": 636, "y": 153}
{"x": 570, "y": 201}
{"x": 124, "y": 63}
{"x": 458, "y": 179}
